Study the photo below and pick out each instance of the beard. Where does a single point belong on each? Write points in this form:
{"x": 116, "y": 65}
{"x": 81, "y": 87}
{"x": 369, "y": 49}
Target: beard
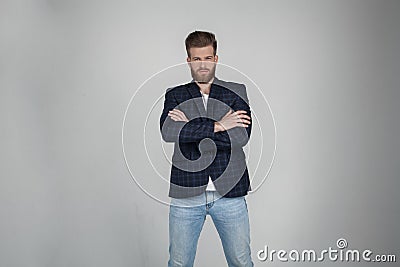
{"x": 203, "y": 77}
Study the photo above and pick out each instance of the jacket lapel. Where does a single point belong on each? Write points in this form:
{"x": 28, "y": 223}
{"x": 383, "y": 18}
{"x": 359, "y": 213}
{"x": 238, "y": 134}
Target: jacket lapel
{"x": 194, "y": 91}
{"x": 212, "y": 99}
{"x": 217, "y": 105}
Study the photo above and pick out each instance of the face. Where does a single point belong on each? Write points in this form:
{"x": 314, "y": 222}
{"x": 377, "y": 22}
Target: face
{"x": 202, "y": 63}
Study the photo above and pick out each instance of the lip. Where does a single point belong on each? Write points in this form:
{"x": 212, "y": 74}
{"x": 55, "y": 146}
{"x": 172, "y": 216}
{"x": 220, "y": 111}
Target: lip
{"x": 203, "y": 71}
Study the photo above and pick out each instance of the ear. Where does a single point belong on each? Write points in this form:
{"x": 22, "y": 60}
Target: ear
{"x": 188, "y": 59}
{"x": 216, "y": 58}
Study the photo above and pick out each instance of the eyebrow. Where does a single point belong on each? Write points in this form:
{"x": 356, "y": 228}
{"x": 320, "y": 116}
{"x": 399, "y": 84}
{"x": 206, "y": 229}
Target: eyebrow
{"x": 204, "y": 57}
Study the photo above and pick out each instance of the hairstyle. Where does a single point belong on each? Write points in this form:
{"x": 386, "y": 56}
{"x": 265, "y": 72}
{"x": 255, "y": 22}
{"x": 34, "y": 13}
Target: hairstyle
{"x": 200, "y": 39}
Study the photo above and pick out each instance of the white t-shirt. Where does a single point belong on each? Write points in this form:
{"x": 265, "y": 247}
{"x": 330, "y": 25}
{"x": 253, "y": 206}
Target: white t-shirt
{"x": 210, "y": 186}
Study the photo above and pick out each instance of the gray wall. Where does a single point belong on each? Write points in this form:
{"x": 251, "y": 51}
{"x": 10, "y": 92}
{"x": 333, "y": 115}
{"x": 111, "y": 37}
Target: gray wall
{"x": 330, "y": 70}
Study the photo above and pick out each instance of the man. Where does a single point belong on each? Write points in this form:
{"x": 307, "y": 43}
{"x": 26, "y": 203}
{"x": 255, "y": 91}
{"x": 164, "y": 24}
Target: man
{"x": 209, "y": 121}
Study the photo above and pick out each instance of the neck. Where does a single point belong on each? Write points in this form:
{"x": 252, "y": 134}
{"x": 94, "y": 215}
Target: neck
{"x": 205, "y": 87}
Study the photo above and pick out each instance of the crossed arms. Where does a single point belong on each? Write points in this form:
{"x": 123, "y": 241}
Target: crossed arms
{"x": 232, "y": 130}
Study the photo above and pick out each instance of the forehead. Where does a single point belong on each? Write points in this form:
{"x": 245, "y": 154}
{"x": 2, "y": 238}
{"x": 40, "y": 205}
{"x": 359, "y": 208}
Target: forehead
{"x": 201, "y": 51}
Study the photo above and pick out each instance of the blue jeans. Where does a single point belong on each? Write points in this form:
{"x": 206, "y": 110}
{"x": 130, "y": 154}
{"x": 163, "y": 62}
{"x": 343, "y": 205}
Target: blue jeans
{"x": 230, "y": 217}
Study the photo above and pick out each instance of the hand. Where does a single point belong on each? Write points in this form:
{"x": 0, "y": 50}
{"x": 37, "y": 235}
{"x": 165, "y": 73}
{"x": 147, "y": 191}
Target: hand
{"x": 177, "y": 115}
{"x": 231, "y": 120}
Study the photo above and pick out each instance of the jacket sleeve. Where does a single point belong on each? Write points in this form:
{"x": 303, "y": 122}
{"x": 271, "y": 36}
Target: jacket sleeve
{"x": 193, "y": 131}
{"x": 238, "y": 136}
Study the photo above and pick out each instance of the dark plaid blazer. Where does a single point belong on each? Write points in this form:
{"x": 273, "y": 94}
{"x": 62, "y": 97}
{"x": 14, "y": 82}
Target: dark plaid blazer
{"x": 198, "y": 151}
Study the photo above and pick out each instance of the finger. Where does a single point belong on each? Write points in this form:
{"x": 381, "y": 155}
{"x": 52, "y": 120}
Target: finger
{"x": 174, "y": 118}
{"x": 238, "y": 112}
{"x": 243, "y": 122}
{"x": 241, "y": 117}
{"x": 171, "y": 112}
{"x": 175, "y": 113}
{"x": 242, "y": 125}
{"x": 244, "y": 116}
{"x": 171, "y": 115}
{"x": 179, "y": 112}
